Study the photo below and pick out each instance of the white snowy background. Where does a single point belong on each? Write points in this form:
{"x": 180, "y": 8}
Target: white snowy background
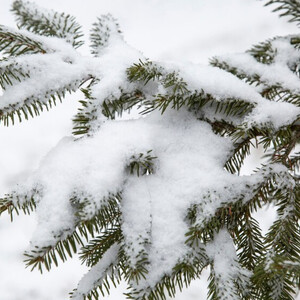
{"x": 173, "y": 30}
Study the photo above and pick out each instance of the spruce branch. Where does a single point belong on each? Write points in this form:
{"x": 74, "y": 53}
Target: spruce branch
{"x": 249, "y": 240}
{"x": 13, "y": 204}
{"x": 178, "y": 95}
{"x": 236, "y": 216}
{"x": 284, "y": 235}
{"x": 144, "y": 71}
{"x": 183, "y": 273}
{"x": 274, "y": 92}
{"x": 106, "y": 215}
{"x": 85, "y": 114}
{"x": 288, "y": 8}
{"x": 100, "y": 277}
{"x": 105, "y": 219}
{"x": 93, "y": 252}
{"x": 221, "y": 223}
{"x": 111, "y": 107}
{"x": 264, "y": 52}
{"x": 249, "y": 78}
{"x": 47, "y": 256}
{"x": 233, "y": 282}
{"x": 294, "y": 161}
{"x": 283, "y": 244}
{"x": 13, "y": 43}
{"x": 11, "y": 72}
{"x": 36, "y": 103}
{"x": 142, "y": 164}
{"x": 103, "y": 31}
{"x": 241, "y": 151}
{"x": 47, "y": 22}
{"x": 136, "y": 271}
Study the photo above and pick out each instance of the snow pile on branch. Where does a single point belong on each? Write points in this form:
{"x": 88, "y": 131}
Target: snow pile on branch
{"x": 154, "y": 189}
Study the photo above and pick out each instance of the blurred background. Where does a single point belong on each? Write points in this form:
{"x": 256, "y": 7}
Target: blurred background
{"x": 172, "y": 30}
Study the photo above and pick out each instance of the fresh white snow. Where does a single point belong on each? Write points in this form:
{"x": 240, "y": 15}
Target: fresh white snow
{"x": 175, "y": 136}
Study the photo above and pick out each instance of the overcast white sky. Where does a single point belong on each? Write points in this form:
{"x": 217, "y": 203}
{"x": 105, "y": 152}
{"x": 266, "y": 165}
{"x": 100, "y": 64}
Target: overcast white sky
{"x": 180, "y": 30}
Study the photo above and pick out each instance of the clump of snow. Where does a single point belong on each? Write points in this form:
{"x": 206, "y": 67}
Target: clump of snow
{"x": 274, "y": 74}
{"x": 274, "y": 114}
{"x": 225, "y": 86}
{"x": 214, "y": 81}
{"x": 48, "y": 73}
{"x": 278, "y": 73}
{"x": 226, "y": 268}
{"x": 96, "y": 166}
{"x": 190, "y": 160}
{"x": 95, "y": 276}
{"x": 111, "y": 69}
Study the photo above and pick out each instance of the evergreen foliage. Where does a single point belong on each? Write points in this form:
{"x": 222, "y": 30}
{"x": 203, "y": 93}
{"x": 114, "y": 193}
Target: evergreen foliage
{"x": 258, "y": 109}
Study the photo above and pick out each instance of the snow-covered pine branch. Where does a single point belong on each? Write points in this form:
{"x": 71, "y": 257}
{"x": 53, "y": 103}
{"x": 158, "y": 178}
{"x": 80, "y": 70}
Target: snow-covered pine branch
{"x": 155, "y": 199}
{"x": 47, "y": 22}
